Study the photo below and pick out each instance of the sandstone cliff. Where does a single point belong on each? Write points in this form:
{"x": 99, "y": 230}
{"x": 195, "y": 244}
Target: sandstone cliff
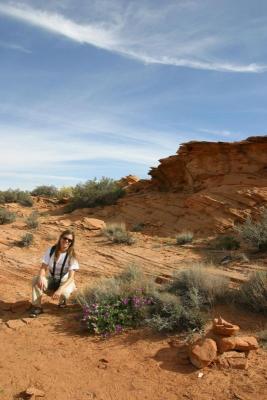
{"x": 206, "y": 188}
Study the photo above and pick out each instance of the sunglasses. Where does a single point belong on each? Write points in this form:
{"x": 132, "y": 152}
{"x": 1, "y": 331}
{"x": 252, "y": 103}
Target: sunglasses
{"x": 67, "y": 239}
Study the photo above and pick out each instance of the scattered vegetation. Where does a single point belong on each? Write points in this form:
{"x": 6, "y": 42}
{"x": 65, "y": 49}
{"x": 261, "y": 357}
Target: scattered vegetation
{"x": 226, "y": 243}
{"x": 253, "y": 293}
{"x": 117, "y": 303}
{"x": 26, "y": 240}
{"x": 65, "y": 192}
{"x": 131, "y": 300}
{"x": 138, "y": 227}
{"x": 255, "y": 233}
{"x": 95, "y": 193}
{"x": 262, "y": 336}
{"x": 198, "y": 287}
{"x": 6, "y": 217}
{"x": 184, "y": 238}
{"x": 16, "y": 196}
{"x": 45, "y": 190}
{"x": 32, "y": 220}
{"x": 117, "y": 233}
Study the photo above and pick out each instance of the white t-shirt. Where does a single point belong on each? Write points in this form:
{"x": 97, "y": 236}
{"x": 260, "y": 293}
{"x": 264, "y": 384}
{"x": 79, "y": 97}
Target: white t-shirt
{"x": 71, "y": 264}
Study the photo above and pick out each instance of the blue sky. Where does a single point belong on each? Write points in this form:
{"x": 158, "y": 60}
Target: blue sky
{"x": 92, "y": 88}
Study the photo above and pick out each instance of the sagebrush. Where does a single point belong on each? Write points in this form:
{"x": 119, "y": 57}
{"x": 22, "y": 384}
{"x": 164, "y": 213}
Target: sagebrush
{"x": 197, "y": 285}
{"x": 45, "y": 190}
{"x": 26, "y": 240}
{"x": 6, "y": 216}
{"x": 253, "y": 293}
{"x": 94, "y": 193}
{"x": 254, "y": 232}
{"x": 117, "y": 233}
{"x": 184, "y": 238}
{"x": 32, "y": 221}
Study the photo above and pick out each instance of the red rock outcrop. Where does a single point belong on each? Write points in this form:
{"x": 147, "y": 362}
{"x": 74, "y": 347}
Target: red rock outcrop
{"x": 206, "y": 188}
{"x": 197, "y": 164}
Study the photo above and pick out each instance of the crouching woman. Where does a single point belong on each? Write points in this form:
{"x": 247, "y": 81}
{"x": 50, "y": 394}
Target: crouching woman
{"x": 56, "y": 275}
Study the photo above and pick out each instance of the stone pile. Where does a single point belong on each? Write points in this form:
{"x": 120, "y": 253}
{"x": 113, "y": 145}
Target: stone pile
{"x": 220, "y": 347}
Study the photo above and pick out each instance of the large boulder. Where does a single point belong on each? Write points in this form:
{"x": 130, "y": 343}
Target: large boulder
{"x": 203, "y": 352}
{"x": 239, "y": 343}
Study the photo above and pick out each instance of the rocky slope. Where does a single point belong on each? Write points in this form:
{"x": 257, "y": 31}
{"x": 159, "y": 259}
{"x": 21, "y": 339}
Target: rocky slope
{"x": 206, "y": 188}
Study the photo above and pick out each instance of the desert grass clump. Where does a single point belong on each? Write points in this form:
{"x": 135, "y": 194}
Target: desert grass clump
{"x": 226, "y": 243}
{"x": 255, "y": 233}
{"x": 32, "y": 220}
{"x": 117, "y": 233}
{"x": 253, "y": 293}
{"x": 95, "y": 193}
{"x": 184, "y": 238}
{"x": 6, "y": 217}
{"x": 198, "y": 287}
{"x": 45, "y": 190}
{"x": 26, "y": 240}
{"x": 117, "y": 303}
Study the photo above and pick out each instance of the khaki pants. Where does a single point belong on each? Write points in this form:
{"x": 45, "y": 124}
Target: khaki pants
{"x": 37, "y": 292}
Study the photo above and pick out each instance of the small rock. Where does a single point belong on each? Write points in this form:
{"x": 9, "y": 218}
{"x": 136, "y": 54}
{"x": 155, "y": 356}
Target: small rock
{"x": 93, "y": 223}
{"x": 233, "y": 359}
{"x": 15, "y": 324}
{"x": 224, "y": 328}
{"x": 203, "y": 352}
{"x": 239, "y": 343}
{"x": 34, "y": 392}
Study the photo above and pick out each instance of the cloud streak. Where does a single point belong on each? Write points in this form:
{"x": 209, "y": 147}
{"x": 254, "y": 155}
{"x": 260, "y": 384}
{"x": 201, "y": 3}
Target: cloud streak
{"x": 116, "y": 38}
{"x": 13, "y": 46}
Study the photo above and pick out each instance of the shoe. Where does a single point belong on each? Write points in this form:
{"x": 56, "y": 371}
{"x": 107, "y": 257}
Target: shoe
{"x": 35, "y": 312}
{"x": 62, "y": 304}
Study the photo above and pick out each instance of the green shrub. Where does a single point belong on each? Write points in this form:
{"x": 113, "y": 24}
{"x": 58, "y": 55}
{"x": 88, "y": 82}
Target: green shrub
{"x": 25, "y": 199}
{"x": 6, "y": 217}
{"x": 183, "y": 238}
{"x": 169, "y": 315}
{"x": 253, "y": 293}
{"x": 26, "y": 240}
{"x": 32, "y": 220}
{"x": 130, "y": 300}
{"x": 45, "y": 190}
{"x": 65, "y": 192}
{"x": 255, "y": 233}
{"x": 95, "y": 193}
{"x": 117, "y": 233}
{"x": 16, "y": 196}
{"x": 138, "y": 227}
{"x": 226, "y": 243}
{"x": 197, "y": 284}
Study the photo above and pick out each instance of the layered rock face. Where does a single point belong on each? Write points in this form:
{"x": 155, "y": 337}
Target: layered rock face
{"x": 198, "y": 164}
{"x": 206, "y": 188}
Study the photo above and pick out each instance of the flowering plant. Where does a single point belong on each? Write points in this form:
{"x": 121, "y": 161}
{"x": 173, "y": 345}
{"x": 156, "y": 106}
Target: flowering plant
{"x": 113, "y": 315}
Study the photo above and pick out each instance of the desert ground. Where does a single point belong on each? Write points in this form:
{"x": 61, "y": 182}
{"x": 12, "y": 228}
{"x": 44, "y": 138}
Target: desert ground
{"x": 53, "y": 354}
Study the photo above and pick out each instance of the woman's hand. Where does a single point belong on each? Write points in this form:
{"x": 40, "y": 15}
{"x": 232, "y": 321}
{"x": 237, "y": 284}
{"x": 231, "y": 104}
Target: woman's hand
{"x": 41, "y": 283}
{"x": 56, "y": 295}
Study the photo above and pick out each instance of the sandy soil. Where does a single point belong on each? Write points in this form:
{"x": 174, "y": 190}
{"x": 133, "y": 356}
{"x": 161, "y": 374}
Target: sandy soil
{"x": 53, "y": 354}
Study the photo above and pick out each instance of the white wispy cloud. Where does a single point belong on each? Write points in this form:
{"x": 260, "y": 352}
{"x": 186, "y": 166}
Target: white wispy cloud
{"x": 127, "y": 40}
{"x": 14, "y": 46}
